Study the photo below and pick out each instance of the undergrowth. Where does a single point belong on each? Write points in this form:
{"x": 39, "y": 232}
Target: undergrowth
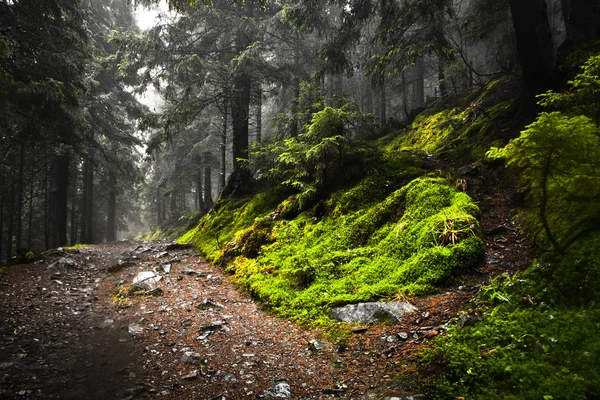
{"x": 538, "y": 338}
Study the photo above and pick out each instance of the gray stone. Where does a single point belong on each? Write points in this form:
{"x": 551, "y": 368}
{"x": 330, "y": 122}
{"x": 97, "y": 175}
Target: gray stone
{"x": 209, "y": 304}
{"x": 135, "y": 329}
{"x": 403, "y": 335}
{"x": 372, "y": 312}
{"x": 146, "y": 280}
{"x": 192, "y": 375}
{"x": 465, "y": 320}
{"x": 178, "y": 246}
{"x": 280, "y": 390}
{"x": 190, "y": 357}
{"x": 191, "y": 272}
{"x": 212, "y": 326}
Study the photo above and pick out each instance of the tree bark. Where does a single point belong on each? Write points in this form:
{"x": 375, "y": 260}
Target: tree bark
{"x": 418, "y": 86}
{"x": 582, "y": 22}
{"x": 20, "y": 190}
{"x": 258, "y": 115}
{"x": 208, "y": 201}
{"x": 223, "y": 173}
{"x": 382, "y": 103}
{"x": 534, "y": 44}
{"x": 111, "y": 226}
{"x": 60, "y": 198}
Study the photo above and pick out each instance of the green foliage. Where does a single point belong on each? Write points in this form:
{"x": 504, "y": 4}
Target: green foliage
{"x": 464, "y": 132}
{"x": 530, "y": 344}
{"x": 560, "y": 160}
{"x": 539, "y": 335}
{"x": 316, "y": 158}
{"x": 583, "y": 94}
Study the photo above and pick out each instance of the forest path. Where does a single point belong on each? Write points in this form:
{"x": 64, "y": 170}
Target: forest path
{"x": 63, "y": 335}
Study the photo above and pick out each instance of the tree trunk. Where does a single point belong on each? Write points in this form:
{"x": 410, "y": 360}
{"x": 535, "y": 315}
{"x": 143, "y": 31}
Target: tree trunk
{"x": 582, "y": 22}
{"x": 111, "y": 215}
{"x": 208, "y": 201}
{"x": 382, "y": 103}
{"x": 20, "y": 190}
{"x": 534, "y": 45}
{"x": 46, "y": 208}
{"x": 11, "y": 218}
{"x": 258, "y": 115}
{"x": 418, "y": 86}
{"x": 74, "y": 183}
{"x": 29, "y": 228}
{"x": 2, "y": 199}
{"x": 199, "y": 191}
{"x": 239, "y": 114}
{"x": 60, "y": 198}
{"x": 89, "y": 205}
{"x": 223, "y": 174}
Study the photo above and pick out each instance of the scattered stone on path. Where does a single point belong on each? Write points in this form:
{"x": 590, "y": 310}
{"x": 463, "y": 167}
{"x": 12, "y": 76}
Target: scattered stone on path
{"x": 135, "y": 329}
{"x": 212, "y": 326}
{"x": 333, "y": 391}
{"x": 209, "y": 304}
{"x": 403, "y": 335}
{"x": 281, "y": 390}
{"x": 146, "y": 280}
{"x": 190, "y": 357}
{"x": 191, "y": 272}
{"x": 372, "y": 312}
{"x": 318, "y": 345}
{"x": 192, "y": 375}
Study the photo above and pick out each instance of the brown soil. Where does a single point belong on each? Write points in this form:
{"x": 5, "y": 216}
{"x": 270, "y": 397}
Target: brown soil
{"x": 63, "y": 335}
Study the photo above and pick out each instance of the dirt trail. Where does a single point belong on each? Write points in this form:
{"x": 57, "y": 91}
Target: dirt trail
{"x": 63, "y": 336}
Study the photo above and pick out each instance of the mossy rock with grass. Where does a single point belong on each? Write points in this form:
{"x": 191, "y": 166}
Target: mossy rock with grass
{"x": 411, "y": 242}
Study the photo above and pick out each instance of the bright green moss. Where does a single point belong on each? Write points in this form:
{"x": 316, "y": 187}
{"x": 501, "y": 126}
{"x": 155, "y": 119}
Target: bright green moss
{"x": 411, "y": 242}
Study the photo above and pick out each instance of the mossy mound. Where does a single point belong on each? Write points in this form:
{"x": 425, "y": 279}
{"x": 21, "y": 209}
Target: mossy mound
{"x": 408, "y": 241}
{"x": 464, "y": 132}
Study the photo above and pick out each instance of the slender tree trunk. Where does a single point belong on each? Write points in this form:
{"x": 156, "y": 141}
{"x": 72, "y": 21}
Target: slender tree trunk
{"x": 60, "y": 200}
{"x": 89, "y": 205}
{"x": 2, "y": 199}
{"x": 258, "y": 117}
{"x": 84, "y": 200}
{"x": 11, "y": 221}
{"x": 418, "y": 86}
{"x": 20, "y": 190}
{"x": 200, "y": 192}
{"x": 382, "y": 103}
{"x": 404, "y": 93}
{"x": 30, "y": 226}
{"x": 534, "y": 45}
{"x": 223, "y": 173}
{"x": 111, "y": 226}
{"x": 582, "y": 22}
{"x": 208, "y": 201}
{"x": 74, "y": 183}
{"x": 159, "y": 214}
{"x": 46, "y": 208}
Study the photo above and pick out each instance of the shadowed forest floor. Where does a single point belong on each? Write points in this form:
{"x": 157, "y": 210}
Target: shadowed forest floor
{"x": 66, "y": 335}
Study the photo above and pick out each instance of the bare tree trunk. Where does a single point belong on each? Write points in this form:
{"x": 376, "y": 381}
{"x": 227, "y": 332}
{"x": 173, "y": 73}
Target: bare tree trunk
{"x": 20, "y": 190}
{"x": 582, "y": 22}
{"x": 111, "y": 226}
{"x": 46, "y": 208}
{"x": 382, "y": 103}
{"x": 223, "y": 174}
{"x": 60, "y": 192}
{"x": 2, "y": 199}
{"x": 208, "y": 201}
{"x": 11, "y": 220}
{"x": 29, "y": 230}
{"x": 74, "y": 183}
{"x": 418, "y": 86}
{"x": 258, "y": 115}
{"x": 534, "y": 44}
